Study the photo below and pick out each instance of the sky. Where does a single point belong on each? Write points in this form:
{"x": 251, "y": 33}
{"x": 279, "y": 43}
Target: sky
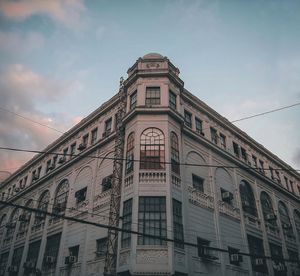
{"x": 61, "y": 59}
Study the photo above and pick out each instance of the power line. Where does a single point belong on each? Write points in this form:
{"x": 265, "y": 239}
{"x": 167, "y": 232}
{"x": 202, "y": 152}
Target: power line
{"x": 135, "y": 232}
{"x": 170, "y": 230}
{"x": 246, "y": 167}
{"x": 26, "y": 118}
{"x": 264, "y": 113}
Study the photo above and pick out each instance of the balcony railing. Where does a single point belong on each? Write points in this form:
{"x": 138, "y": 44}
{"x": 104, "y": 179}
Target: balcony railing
{"x": 200, "y": 199}
{"x": 152, "y": 177}
{"x": 176, "y": 181}
{"x": 229, "y": 210}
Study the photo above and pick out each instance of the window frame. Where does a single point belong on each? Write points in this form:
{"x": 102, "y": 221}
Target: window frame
{"x": 133, "y": 100}
{"x": 153, "y": 96}
{"x": 172, "y": 100}
{"x": 198, "y": 186}
{"x": 188, "y": 119}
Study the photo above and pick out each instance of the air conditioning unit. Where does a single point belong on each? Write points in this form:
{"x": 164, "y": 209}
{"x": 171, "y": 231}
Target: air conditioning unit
{"x": 246, "y": 203}
{"x": 259, "y": 261}
{"x": 70, "y": 260}
{"x": 286, "y": 226}
{"x": 236, "y": 258}
{"x": 81, "y": 146}
{"x": 29, "y": 265}
{"x": 271, "y": 217}
{"x": 12, "y": 268}
{"x": 227, "y": 196}
{"x": 39, "y": 215}
{"x": 62, "y": 159}
{"x": 23, "y": 218}
{"x": 49, "y": 259}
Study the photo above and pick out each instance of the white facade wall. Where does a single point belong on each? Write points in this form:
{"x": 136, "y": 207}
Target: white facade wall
{"x": 205, "y": 214}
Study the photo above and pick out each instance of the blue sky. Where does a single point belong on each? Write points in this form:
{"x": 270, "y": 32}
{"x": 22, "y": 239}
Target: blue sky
{"x": 60, "y": 59}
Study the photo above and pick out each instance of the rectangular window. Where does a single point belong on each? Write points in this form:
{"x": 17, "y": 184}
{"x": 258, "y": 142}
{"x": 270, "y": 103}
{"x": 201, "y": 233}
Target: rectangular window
{"x": 188, "y": 119}
{"x": 152, "y": 96}
{"x": 292, "y": 186}
{"x": 198, "y": 125}
{"x": 261, "y": 168}
{"x": 48, "y": 165}
{"x": 33, "y": 252}
{"x": 16, "y": 259}
{"x": 3, "y": 261}
{"x": 74, "y": 251}
{"x": 271, "y": 172}
{"x": 254, "y": 160}
{"x": 94, "y": 136}
{"x": 236, "y": 149}
{"x": 72, "y": 150}
{"x": 198, "y": 183}
{"x": 101, "y": 249}
{"x": 202, "y": 245}
{"x": 133, "y": 100}
{"x": 106, "y": 183}
{"x": 256, "y": 248}
{"x": 127, "y": 220}
{"x": 278, "y": 177}
{"x": 244, "y": 154}
{"x": 85, "y": 139}
{"x": 81, "y": 195}
{"x": 152, "y": 220}
{"x": 51, "y": 251}
{"x": 172, "y": 100}
{"x": 178, "y": 224}
{"x": 214, "y": 135}
{"x": 223, "y": 140}
{"x": 277, "y": 261}
{"x": 107, "y": 127}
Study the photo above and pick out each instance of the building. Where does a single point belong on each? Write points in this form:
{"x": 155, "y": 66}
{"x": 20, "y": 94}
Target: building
{"x": 231, "y": 194}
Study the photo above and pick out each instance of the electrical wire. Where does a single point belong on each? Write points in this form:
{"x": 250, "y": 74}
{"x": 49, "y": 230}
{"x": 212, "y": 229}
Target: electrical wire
{"x": 246, "y": 167}
{"x": 264, "y": 113}
{"x": 30, "y": 120}
{"x": 165, "y": 239}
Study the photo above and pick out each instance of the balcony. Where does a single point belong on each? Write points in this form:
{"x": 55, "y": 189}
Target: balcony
{"x": 252, "y": 221}
{"x": 102, "y": 200}
{"x": 200, "y": 199}
{"x": 229, "y": 210}
{"x": 128, "y": 182}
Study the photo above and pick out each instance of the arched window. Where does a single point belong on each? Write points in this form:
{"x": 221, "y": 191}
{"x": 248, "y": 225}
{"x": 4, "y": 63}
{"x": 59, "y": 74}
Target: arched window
{"x": 297, "y": 221}
{"x": 42, "y": 205}
{"x": 247, "y": 198}
{"x": 24, "y": 218}
{"x": 12, "y": 223}
{"x": 130, "y": 153}
{"x": 285, "y": 219}
{"x": 267, "y": 208}
{"x": 175, "y": 154}
{"x": 61, "y": 197}
{"x": 152, "y": 154}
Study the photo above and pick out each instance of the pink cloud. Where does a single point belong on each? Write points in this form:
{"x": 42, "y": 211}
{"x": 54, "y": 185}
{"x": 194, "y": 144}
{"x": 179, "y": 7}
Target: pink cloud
{"x": 24, "y": 92}
{"x": 64, "y": 11}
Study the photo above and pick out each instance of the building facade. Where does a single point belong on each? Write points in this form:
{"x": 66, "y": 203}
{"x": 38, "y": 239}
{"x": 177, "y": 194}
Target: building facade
{"x": 189, "y": 175}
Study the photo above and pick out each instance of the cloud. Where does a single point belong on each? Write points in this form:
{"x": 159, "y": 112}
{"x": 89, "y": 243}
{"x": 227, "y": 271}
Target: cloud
{"x": 67, "y": 12}
{"x": 24, "y": 92}
{"x": 10, "y": 42}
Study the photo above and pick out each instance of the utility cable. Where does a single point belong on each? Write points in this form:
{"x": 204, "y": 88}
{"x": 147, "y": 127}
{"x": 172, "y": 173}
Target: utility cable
{"x": 136, "y": 232}
{"x": 246, "y": 167}
{"x": 30, "y": 120}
